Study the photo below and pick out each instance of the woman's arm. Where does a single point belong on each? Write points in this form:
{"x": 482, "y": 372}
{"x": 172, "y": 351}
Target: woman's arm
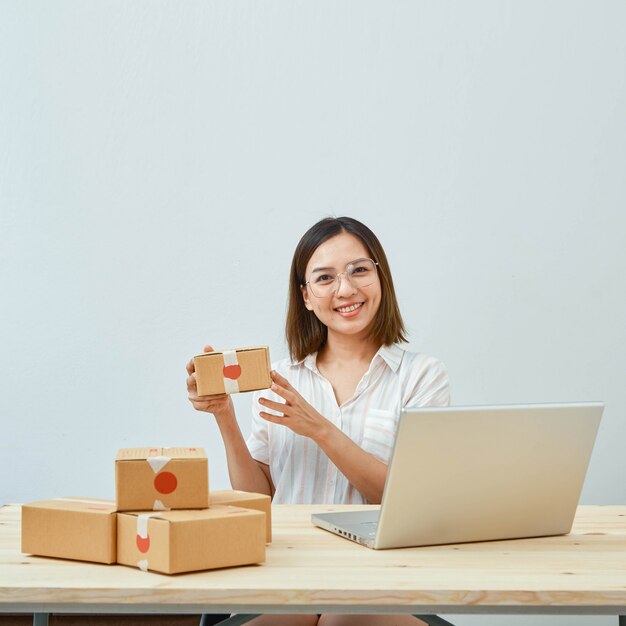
{"x": 362, "y": 469}
{"x": 246, "y": 474}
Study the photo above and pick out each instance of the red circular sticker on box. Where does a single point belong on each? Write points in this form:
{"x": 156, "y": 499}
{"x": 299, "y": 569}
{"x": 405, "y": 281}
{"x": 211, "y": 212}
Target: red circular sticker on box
{"x": 232, "y": 371}
{"x": 143, "y": 543}
{"x": 165, "y": 482}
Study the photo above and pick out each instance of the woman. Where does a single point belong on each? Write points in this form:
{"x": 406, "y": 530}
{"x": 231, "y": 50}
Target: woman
{"x": 324, "y": 431}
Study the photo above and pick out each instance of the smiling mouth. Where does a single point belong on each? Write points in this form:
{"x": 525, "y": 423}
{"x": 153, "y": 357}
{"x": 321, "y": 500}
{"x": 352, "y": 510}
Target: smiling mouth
{"x": 349, "y": 309}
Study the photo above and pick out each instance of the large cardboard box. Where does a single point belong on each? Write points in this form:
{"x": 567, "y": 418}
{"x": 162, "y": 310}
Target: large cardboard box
{"x": 247, "y": 500}
{"x": 232, "y": 371}
{"x": 70, "y": 528}
{"x": 172, "y": 542}
{"x": 161, "y": 479}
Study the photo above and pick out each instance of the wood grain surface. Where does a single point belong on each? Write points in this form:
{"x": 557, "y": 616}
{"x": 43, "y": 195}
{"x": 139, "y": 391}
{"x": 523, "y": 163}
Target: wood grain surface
{"x": 306, "y": 567}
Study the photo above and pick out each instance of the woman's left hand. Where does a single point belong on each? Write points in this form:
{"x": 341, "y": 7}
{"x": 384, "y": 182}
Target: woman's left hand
{"x": 297, "y": 413}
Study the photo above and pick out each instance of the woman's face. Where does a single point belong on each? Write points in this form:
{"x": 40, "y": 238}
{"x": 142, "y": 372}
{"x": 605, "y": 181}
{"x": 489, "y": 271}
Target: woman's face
{"x": 347, "y": 309}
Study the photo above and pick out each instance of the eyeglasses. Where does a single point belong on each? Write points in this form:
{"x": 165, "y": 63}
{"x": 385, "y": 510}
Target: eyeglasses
{"x": 325, "y": 281}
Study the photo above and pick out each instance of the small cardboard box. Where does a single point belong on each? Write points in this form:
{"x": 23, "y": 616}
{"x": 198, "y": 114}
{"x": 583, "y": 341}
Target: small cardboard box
{"x": 232, "y": 371}
{"x": 172, "y": 542}
{"x": 161, "y": 479}
{"x": 247, "y": 500}
{"x": 70, "y": 528}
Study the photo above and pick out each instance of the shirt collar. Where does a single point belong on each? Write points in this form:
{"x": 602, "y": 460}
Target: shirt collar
{"x": 391, "y": 355}
{"x": 310, "y": 361}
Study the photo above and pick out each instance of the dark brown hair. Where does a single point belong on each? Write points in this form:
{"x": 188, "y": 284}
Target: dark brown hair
{"x": 305, "y": 334}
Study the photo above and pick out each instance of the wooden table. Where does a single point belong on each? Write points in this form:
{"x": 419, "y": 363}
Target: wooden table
{"x": 309, "y": 570}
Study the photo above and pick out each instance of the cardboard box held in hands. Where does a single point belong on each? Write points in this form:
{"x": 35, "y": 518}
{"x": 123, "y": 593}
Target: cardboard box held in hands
{"x": 172, "y": 542}
{"x": 232, "y": 371}
{"x": 77, "y": 528}
{"x": 247, "y": 500}
{"x": 161, "y": 479}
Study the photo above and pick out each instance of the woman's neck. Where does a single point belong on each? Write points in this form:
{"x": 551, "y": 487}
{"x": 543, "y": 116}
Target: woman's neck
{"x": 343, "y": 348}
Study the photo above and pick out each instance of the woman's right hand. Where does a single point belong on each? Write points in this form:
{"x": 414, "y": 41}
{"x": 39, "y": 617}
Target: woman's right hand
{"x": 218, "y": 405}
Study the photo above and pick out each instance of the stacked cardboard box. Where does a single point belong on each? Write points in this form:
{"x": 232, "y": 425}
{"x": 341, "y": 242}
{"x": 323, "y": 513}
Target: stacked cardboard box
{"x": 189, "y": 540}
{"x": 163, "y": 518}
{"x": 71, "y": 528}
{"x": 185, "y": 530}
{"x": 247, "y": 500}
{"x": 161, "y": 479}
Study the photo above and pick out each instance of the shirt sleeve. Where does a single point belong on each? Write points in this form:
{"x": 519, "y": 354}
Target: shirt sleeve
{"x": 258, "y": 441}
{"x": 430, "y": 385}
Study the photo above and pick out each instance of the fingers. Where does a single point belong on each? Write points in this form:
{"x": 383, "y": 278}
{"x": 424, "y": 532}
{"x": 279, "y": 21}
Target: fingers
{"x": 288, "y": 396}
{"x": 281, "y": 380}
{"x": 210, "y": 404}
{"x": 282, "y": 387}
{"x": 194, "y": 394}
{"x": 276, "y": 419}
{"x": 190, "y": 366}
{"x": 274, "y": 406}
{"x": 205, "y": 402}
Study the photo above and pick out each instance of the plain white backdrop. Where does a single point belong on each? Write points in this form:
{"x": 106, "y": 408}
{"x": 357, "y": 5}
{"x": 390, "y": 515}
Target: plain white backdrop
{"x": 159, "y": 162}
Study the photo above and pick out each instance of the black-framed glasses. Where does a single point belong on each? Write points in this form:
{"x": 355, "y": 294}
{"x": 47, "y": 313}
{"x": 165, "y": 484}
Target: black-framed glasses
{"x": 324, "y": 281}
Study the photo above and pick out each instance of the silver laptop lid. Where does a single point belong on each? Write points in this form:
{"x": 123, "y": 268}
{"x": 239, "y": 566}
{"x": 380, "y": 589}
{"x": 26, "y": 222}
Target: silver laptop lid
{"x": 462, "y": 474}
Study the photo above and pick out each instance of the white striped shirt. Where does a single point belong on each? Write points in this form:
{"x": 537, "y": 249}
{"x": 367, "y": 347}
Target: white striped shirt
{"x": 300, "y": 470}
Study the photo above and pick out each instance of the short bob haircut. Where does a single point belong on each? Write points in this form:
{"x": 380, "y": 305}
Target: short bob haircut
{"x": 305, "y": 334}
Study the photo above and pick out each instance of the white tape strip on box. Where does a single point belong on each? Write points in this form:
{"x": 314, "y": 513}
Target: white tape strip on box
{"x": 142, "y": 531}
{"x": 142, "y": 523}
{"x": 230, "y": 358}
{"x": 157, "y": 463}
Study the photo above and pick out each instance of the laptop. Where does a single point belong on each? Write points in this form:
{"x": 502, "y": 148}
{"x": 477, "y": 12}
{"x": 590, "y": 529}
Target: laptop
{"x": 478, "y": 473}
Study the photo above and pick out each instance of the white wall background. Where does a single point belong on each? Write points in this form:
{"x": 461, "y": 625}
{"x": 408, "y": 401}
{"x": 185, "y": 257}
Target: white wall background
{"x": 160, "y": 160}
